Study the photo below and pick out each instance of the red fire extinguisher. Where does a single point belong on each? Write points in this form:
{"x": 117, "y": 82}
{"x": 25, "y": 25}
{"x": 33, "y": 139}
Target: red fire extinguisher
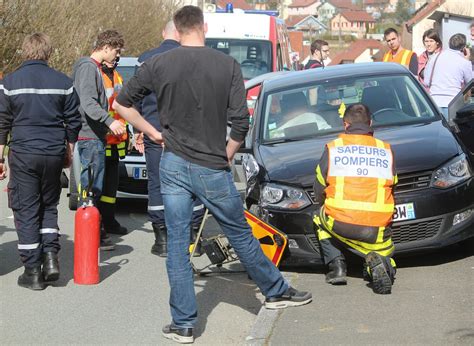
{"x": 86, "y": 241}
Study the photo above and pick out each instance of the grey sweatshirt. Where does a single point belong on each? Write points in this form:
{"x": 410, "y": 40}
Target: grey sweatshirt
{"x": 93, "y": 100}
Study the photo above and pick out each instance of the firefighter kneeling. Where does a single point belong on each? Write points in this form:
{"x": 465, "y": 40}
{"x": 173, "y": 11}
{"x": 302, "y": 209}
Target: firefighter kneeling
{"x": 354, "y": 180}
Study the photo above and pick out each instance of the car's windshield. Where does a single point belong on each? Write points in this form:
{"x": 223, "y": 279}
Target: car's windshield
{"x": 254, "y": 56}
{"x": 318, "y": 108}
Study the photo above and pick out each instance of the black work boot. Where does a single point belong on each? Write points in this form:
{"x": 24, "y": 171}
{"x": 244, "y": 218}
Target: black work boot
{"x": 159, "y": 248}
{"x": 194, "y": 234}
{"x": 106, "y": 243}
{"x": 32, "y": 278}
{"x": 337, "y": 272}
{"x": 381, "y": 273}
{"x": 116, "y": 228}
{"x": 111, "y": 225}
{"x": 50, "y": 266}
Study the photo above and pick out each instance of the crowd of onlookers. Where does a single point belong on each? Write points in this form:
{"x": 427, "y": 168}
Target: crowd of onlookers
{"x": 443, "y": 71}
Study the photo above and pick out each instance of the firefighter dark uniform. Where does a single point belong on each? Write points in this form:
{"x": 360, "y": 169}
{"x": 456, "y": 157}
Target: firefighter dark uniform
{"x": 153, "y": 151}
{"x": 39, "y": 109}
{"x": 116, "y": 149}
{"x": 355, "y": 179}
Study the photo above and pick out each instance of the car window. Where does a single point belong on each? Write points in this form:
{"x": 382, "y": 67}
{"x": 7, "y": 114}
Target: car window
{"x": 317, "y": 109}
{"x": 254, "y": 56}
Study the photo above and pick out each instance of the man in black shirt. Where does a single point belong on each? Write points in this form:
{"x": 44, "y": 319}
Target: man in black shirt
{"x": 198, "y": 89}
{"x": 153, "y": 152}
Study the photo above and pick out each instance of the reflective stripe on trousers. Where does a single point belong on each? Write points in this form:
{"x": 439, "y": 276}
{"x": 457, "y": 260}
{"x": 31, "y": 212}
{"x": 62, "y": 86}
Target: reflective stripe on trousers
{"x": 325, "y": 231}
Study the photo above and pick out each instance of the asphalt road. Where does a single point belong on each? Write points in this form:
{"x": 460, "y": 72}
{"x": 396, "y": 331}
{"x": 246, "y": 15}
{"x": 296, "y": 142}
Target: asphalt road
{"x": 432, "y": 300}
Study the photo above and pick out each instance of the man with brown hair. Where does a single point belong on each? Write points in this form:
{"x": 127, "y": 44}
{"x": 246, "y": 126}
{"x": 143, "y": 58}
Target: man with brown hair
{"x": 397, "y": 53}
{"x": 96, "y": 122}
{"x": 39, "y": 109}
{"x": 319, "y": 53}
{"x": 198, "y": 89}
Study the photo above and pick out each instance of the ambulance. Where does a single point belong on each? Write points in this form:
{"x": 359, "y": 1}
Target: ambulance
{"x": 258, "y": 40}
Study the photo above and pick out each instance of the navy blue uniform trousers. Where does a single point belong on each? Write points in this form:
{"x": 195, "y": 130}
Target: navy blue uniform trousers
{"x": 33, "y": 195}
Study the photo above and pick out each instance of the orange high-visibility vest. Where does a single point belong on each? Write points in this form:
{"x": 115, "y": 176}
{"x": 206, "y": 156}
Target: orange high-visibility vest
{"x": 112, "y": 89}
{"x": 360, "y": 181}
{"x": 403, "y": 57}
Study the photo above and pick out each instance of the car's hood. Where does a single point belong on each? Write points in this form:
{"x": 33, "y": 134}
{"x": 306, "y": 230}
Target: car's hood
{"x": 416, "y": 148}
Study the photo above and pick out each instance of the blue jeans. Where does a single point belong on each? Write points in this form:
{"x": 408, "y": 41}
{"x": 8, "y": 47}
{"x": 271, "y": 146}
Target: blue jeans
{"x": 156, "y": 210}
{"x": 181, "y": 183}
{"x": 92, "y": 153}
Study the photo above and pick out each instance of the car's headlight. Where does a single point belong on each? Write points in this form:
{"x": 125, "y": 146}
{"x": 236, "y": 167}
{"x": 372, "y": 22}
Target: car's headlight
{"x": 454, "y": 172}
{"x": 283, "y": 197}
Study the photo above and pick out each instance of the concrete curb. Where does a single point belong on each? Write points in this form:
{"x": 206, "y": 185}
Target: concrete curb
{"x": 266, "y": 318}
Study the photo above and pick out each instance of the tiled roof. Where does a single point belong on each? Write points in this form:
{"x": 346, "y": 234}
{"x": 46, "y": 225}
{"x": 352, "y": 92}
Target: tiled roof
{"x": 296, "y": 41}
{"x": 355, "y": 50}
{"x": 375, "y": 2}
{"x": 357, "y": 16}
{"x": 291, "y": 21}
{"x": 302, "y": 3}
{"x": 242, "y": 4}
{"x": 344, "y": 4}
{"x": 424, "y": 11}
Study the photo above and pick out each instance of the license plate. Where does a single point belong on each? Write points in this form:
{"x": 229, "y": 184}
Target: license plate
{"x": 404, "y": 212}
{"x": 139, "y": 173}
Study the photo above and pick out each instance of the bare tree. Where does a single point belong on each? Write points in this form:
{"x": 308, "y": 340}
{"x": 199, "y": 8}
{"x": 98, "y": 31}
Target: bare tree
{"x": 74, "y": 24}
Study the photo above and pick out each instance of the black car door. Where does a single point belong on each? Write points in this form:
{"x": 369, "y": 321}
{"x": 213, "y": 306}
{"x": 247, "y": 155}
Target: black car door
{"x": 461, "y": 118}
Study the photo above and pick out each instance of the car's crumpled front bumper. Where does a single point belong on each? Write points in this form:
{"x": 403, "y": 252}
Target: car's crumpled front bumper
{"x": 443, "y": 217}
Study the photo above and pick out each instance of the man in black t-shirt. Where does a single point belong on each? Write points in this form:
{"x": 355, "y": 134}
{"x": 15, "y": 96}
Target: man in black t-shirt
{"x": 153, "y": 152}
{"x": 197, "y": 90}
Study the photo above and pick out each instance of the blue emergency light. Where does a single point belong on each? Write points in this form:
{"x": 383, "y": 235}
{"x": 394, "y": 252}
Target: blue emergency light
{"x": 229, "y": 8}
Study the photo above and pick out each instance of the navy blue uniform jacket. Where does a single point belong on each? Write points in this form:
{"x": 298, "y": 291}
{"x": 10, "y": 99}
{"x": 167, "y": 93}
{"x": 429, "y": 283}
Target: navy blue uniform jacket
{"x": 39, "y": 108}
